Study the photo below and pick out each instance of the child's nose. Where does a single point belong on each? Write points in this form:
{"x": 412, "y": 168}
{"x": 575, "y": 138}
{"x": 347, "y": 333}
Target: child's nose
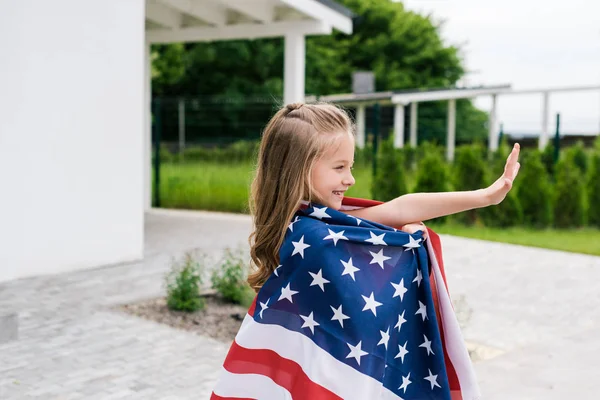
{"x": 349, "y": 180}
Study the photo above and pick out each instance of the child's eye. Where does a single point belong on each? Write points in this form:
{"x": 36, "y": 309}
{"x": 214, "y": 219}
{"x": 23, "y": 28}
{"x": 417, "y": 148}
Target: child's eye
{"x": 340, "y": 167}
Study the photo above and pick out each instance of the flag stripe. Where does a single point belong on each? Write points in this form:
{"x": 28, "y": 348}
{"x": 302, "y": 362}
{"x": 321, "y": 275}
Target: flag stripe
{"x": 248, "y": 386}
{"x": 453, "y": 340}
{"x": 318, "y": 365}
{"x": 286, "y": 373}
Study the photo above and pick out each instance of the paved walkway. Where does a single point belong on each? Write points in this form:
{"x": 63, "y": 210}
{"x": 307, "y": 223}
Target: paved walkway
{"x": 539, "y": 308}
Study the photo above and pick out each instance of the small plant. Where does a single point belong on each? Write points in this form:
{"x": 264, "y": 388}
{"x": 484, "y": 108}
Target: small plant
{"x": 389, "y": 182}
{"x": 183, "y": 286}
{"x": 229, "y": 279}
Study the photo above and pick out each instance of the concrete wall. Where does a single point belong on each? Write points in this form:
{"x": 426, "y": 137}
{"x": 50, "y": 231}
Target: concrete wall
{"x": 71, "y": 134}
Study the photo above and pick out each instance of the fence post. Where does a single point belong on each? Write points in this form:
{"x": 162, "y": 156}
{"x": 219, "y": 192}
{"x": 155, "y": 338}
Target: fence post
{"x": 156, "y": 128}
{"x": 557, "y": 139}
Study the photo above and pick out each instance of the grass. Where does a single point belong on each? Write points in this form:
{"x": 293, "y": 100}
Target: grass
{"x": 219, "y": 187}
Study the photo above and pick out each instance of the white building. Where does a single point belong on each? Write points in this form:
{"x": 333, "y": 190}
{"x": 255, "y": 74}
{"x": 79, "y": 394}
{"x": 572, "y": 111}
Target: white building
{"x": 75, "y": 114}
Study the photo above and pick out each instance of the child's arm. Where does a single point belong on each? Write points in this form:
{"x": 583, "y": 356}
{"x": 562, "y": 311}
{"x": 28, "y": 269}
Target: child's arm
{"x": 424, "y": 206}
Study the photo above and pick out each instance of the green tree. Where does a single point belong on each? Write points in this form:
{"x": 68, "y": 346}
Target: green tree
{"x": 433, "y": 175}
{"x": 593, "y": 188}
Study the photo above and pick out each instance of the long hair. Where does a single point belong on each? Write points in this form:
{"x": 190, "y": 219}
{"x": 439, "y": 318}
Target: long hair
{"x": 292, "y": 141}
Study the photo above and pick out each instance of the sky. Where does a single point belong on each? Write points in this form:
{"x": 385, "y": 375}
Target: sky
{"x": 527, "y": 44}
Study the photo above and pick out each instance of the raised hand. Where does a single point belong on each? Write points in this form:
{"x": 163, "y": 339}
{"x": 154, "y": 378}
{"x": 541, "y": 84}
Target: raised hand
{"x": 498, "y": 190}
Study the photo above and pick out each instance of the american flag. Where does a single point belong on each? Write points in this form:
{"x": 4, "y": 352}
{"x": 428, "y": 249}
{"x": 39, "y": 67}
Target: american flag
{"x": 355, "y": 310}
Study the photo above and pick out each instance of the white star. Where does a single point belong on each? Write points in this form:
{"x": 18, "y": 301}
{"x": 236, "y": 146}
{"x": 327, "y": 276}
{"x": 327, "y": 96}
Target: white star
{"x": 309, "y": 322}
{"x": 401, "y": 321}
{"x": 356, "y": 352}
{"x": 371, "y": 304}
{"x": 376, "y": 239}
{"x": 412, "y": 243}
{"x": 263, "y": 307}
{"x": 422, "y": 310}
{"x": 335, "y": 236}
{"x": 275, "y": 271}
{"x": 379, "y": 258}
{"x": 402, "y": 352}
{"x": 338, "y": 315}
{"x": 320, "y": 213}
{"x": 427, "y": 345}
{"x": 300, "y": 246}
{"x": 405, "y": 382}
{"x": 432, "y": 379}
{"x": 400, "y": 289}
{"x": 358, "y": 221}
{"x": 291, "y": 225}
{"x": 318, "y": 279}
{"x": 287, "y": 293}
{"x": 349, "y": 269}
{"x": 418, "y": 278}
{"x": 385, "y": 337}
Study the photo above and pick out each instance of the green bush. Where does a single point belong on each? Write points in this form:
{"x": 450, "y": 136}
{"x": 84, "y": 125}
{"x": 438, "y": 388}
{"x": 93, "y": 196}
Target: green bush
{"x": 578, "y": 156}
{"x": 389, "y": 181}
{"x": 593, "y": 188}
{"x": 548, "y": 159}
{"x": 409, "y": 158}
{"x": 534, "y": 191}
{"x": 183, "y": 285}
{"x": 229, "y": 279}
{"x": 433, "y": 175}
{"x": 569, "y": 192}
{"x": 470, "y": 173}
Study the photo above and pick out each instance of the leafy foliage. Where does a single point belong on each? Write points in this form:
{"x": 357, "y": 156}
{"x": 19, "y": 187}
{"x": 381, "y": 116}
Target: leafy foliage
{"x": 593, "y": 188}
{"x": 389, "y": 181}
{"x": 183, "y": 285}
{"x": 569, "y": 202}
{"x": 229, "y": 279}
{"x": 470, "y": 173}
{"x": 535, "y": 191}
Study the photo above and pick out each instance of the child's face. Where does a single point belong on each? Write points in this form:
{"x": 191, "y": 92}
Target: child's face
{"x": 332, "y": 175}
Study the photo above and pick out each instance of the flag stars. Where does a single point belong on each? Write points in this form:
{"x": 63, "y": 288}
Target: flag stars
{"x": 400, "y": 289}
{"x": 402, "y": 352}
{"x": 385, "y": 337}
{"x": 309, "y": 322}
{"x": 318, "y": 279}
{"x": 379, "y": 258}
{"x": 338, "y": 315}
{"x": 371, "y": 304}
{"x": 291, "y": 225}
{"x": 287, "y": 293}
{"x": 349, "y": 269}
{"x": 299, "y": 247}
{"x": 335, "y": 236}
{"x": 432, "y": 379}
{"x": 275, "y": 271}
{"x": 320, "y": 213}
{"x": 405, "y": 382}
{"x": 263, "y": 307}
{"x": 422, "y": 310}
{"x": 427, "y": 345}
{"x": 376, "y": 239}
{"x": 412, "y": 243}
{"x": 401, "y": 321}
{"x": 356, "y": 352}
{"x": 418, "y": 278}
{"x": 358, "y": 220}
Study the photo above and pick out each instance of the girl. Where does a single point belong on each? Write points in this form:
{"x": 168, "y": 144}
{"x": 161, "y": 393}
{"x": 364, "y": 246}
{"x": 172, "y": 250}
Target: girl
{"x": 343, "y": 308}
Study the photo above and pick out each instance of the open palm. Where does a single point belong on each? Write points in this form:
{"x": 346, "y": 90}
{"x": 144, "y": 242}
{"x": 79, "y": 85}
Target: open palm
{"x": 498, "y": 190}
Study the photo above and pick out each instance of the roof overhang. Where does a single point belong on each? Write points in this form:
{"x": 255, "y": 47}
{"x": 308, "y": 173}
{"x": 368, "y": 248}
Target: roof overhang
{"x": 170, "y": 21}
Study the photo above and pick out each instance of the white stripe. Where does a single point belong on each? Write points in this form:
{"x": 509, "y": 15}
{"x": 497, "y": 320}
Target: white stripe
{"x": 320, "y": 366}
{"x": 252, "y": 386}
{"x": 455, "y": 344}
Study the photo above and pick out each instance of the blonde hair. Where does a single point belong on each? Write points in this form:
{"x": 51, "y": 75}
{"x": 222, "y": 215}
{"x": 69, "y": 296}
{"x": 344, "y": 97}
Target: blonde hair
{"x": 293, "y": 140}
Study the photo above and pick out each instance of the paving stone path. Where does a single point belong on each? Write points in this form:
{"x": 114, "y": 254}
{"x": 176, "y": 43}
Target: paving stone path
{"x": 536, "y": 311}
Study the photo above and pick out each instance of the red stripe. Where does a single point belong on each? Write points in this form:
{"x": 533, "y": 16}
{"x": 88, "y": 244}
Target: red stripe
{"x": 284, "y": 372}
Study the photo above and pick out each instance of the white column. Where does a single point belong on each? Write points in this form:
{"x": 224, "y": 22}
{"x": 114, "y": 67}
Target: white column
{"x": 545, "y": 120}
{"x": 492, "y": 133}
{"x": 451, "y": 137}
{"x": 399, "y": 126}
{"x": 294, "y": 68}
{"x": 413, "y": 123}
{"x": 147, "y": 128}
{"x": 360, "y": 126}
{"x": 181, "y": 109}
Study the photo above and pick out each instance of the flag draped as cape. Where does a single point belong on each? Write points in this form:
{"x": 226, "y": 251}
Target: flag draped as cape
{"x": 355, "y": 310}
